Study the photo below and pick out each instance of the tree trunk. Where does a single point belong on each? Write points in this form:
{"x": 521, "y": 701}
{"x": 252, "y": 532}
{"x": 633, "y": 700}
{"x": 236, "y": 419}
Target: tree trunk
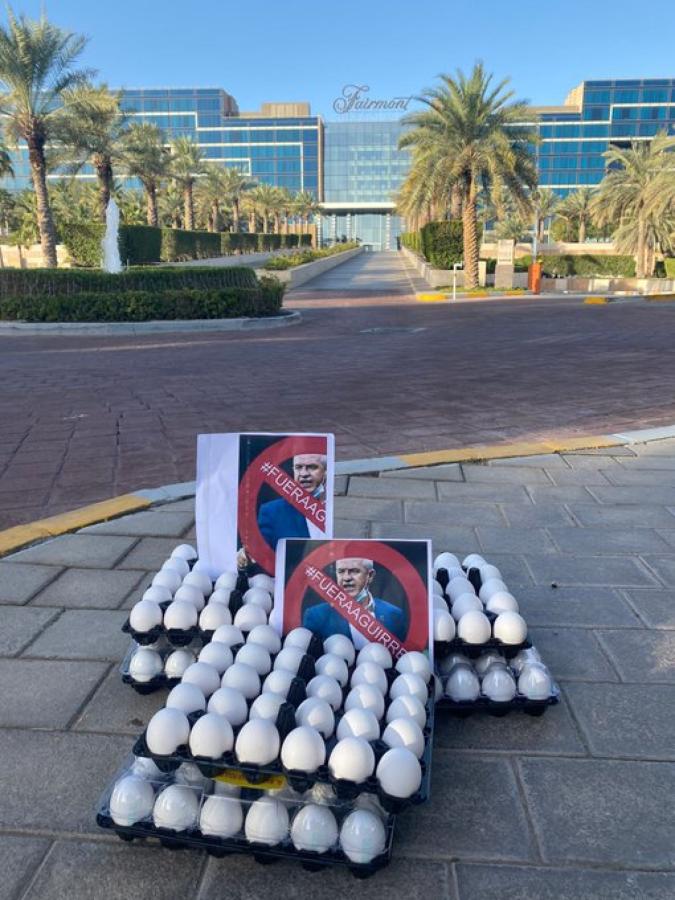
{"x": 640, "y": 254}
{"x": 277, "y": 223}
{"x": 265, "y": 223}
{"x": 251, "y": 222}
{"x": 189, "y": 207}
{"x": 151, "y": 198}
{"x": 470, "y": 239}
{"x": 456, "y": 201}
{"x": 582, "y": 230}
{"x": 235, "y": 214}
{"x": 104, "y": 174}
{"x": 215, "y": 216}
{"x": 38, "y": 166}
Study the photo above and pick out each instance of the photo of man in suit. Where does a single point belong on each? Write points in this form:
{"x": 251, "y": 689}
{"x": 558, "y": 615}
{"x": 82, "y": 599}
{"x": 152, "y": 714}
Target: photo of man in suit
{"x": 355, "y": 576}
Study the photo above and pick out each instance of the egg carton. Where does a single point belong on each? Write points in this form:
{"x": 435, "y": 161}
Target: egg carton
{"x": 194, "y": 838}
{"x": 457, "y": 645}
{"x": 161, "y": 681}
{"x": 464, "y": 708}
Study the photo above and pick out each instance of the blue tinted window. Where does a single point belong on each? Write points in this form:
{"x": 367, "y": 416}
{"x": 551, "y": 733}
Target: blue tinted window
{"x": 594, "y": 130}
{"x": 596, "y": 113}
{"x": 654, "y": 95}
{"x": 653, "y": 112}
{"x": 625, "y": 96}
{"x": 625, "y": 112}
{"x": 593, "y": 96}
{"x": 648, "y": 130}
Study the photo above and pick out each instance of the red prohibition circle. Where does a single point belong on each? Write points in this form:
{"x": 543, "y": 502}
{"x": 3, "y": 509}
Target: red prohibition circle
{"x": 417, "y": 637}
{"x": 249, "y": 488}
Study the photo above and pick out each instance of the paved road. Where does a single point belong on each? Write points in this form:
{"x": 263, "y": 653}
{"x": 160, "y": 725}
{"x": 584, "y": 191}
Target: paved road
{"x": 367, "y": 275}
{"x": 86, "y": 418}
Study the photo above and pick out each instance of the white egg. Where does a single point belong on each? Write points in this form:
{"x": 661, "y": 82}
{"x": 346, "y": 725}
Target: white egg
{"x": 223, "y": 789}
{"x": 185, "y": 551}
{"x": 436, "y": 588}
{"x": 317, "y": 714}
{"x": 490, "y": 587}
{"x": 376, "y": 653}
{"x": 211, "y": 736}
{"x": 487, "y": 572}
{"x": 278, "y": 682}
{"x": 465, "y": 604}
{"x": 180, "y": 615}
{"x": 438, "y": 688}
{"x": 417, "y": 663}
{"x": 510, "y": 628}
{"x": 189, "y": 774}
{"x": 298, "y": 637}
{"x": 221, "y": 817}
{"x": 439, "y": 604}
{"x": 457, "y": 572}
{"x": 175, "y": 564}
{"x": 314, "y": 829}
{"x": 259, "y": 597}
{"x": 446, "y": 561}
{"x": 352, "y": 759}
{"x": 217, "y": 655}
{"x": 289, "y": 659}
{"x": 190, "y": 594}
{"x": 399, "y": 773}
{"x": 266, "y": 636}
{"x": 176, "y": 808}
{"x": 187, "y": 698}
{"x": 501, "y": 602}
{"x": 370, "y": 673}
{"x": 462, "y": 684}
{"x": 407, "y": 706}
{"x": 485, "y": 660}
{"x": 446, "y": 663}
{"x": 242, "y": 678}
{"x": 340, "y": 645}
{"x": 220, "y": 596}
{"x": 145, "y": 615}
{"x": 248, "y": 616}
{"x": 266, "y": 706}
{"x": 365, "y": 696}
{"x": 525, "y": 657}
{"x": 144, "y": 767}
{"x": 167, "y": 730}
{"x": 334, "y": 666}
{"x": 256, "y": 656}
{"x": 326, "y": 688}
{"x": 230, "y": 704}
{"x": 257, "y": 742}
{"x": 200, "y": 580}
{"x": 459, "y": 586}
{"x": 167, "y": 579}
{"x": 408, "y": 683}
{"x": 266, "y": 822}
{"x": 444, "y": 625}
{"x": 404, "y": 732}
{"x": 498, "y": 684}
{"x": 204, "y": 676}
{"x": 228, "y": 634}
{"x": 473, "y": 561}
{"x": 266, "y": 582}
{"x": 226, "y": 581}
{"x": 145, "y": 665}
{"x": 534, "y": 682}
{"x": 131, "y": 800}
{"x": 157, "y": 594}
{"x": 474, "y": 627}
{"x": 213, "y": 616}
{"x": 303, "y": 750}
{"x": 359, "y": 723}
{"x": 362, "y": 836}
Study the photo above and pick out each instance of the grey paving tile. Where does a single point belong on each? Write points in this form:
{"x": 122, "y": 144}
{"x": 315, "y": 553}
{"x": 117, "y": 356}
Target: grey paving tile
{"x": 515, "y": 540}
{"x": 444, "y": 537}
{"x": 575, "y": 607}
{"x": 649, "y": 462}
{"x": 116, "y": 708}
{"x": 371, "y": 509}
{"x": 185, "y": 505}
{"x": 149, "y": 553}
{"x": 492, "y": 493}
{"x": 626, "y": 720}
{"x": 474, "y": 811}
{"x": 568, "y": 493}
{"x": 18, "y": 583}
{"x": 540, "y": 516}
{"x": 572, "y": 654}
{"x": 611, "y": 452}
{"x": 623, "y": 516}
{"x": 83, "y": 634}
{"x": 68, "y": 772}
{"x": 86, "y": 869}
{"x": 159, "y": 524}
{"x": 642, "y": 656}
{"x": 540, "y": 460}
{"x": 391, "y": 488}
{"x": 451, "y": 472}
{"x": 664, "y": 566}
{"x": 348, "y": 529}
{"x": 581, "y": 477}
{"x": 340, "y": 485}
{"x": 607, "y": 540}
{"x": 19, "y": 857}
{"x": 513, "y": 567}
{"x": 85, "y": 550}
{"x": 602, "y": 460}
{"x": 641, "y": 495}
{"x": 605, "y": 812}
{"x": 88, "y": 589}
{"x": 467, "y": 513}
{"x": 628, "y": 475}
{"x": 480, "y": 882}
{"x": 45, "y": 694}
{"x": 518, "y": 475}
{"x": 656, "y": 608}
{"x": 668, "y": 537}
{"x": 554, "y": 732}
{"x": 664, "y": 447}
{"x": 246, "y": 880}
{"x": 604, "y": 571}
{"x": 136, "y": 593}
{"x": 20, "y": 624}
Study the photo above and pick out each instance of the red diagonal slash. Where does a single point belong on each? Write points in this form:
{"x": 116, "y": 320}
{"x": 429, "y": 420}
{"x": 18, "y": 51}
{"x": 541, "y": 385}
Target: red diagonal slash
{"x": 293, "y": 493}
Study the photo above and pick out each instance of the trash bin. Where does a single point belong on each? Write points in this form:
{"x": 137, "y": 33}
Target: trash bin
{"x": 534, "y": 278}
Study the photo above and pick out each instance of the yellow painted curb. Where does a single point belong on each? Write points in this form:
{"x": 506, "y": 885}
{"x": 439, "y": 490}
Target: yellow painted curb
{"x": 503, "y": 451}
{"x": 596, "y": 301}
{"x": 22, "y": 535}
{"x": 431, "y": 298}
{"x": 656, "y": 298}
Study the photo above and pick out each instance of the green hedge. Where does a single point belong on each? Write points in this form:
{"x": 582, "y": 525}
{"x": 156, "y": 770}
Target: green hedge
{"x": 669, "y": 266}
{"x": 66, "y": 282}
{"x": 180, "y": 246}
{"x": 306, "y": 256}
{"x": 143, "y": 306}
{"x": 412, "y": 240}
{"x": 139, "y": 244}
{"x": 440, "y": 243}
{"x": 589, "y": 265}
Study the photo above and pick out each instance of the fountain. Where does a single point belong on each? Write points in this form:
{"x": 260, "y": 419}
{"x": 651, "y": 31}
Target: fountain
{"x": 110, "y": 246}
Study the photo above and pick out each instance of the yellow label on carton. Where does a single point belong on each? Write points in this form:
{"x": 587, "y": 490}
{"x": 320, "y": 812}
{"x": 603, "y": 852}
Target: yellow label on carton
{"x": 236, "y": 777}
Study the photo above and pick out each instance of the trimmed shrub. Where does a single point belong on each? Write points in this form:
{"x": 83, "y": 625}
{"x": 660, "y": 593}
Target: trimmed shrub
{"x": 412, "y": 240}
{"x": 305, "y": 256}
{"x": 305, "y": 240}
{"x": 140, "y": 244}
{"x": 589, "y": 265}
{"x": 290, "y": 240}
{"x": 83, "y": 243}
{"x": 669, "y": 265}
{"x": 442, "y": 243}
{"x": 179, "y": 245}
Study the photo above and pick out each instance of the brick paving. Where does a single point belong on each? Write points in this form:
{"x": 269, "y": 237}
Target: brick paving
{"x": 88, "y": 418}
{"x": 577, "y": 804}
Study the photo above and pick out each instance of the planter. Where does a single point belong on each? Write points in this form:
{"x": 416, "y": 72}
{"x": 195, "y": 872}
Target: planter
{"x": 300, "y": 274}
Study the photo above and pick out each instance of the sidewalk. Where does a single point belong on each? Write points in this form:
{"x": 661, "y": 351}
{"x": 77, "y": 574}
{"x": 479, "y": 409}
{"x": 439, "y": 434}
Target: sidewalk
{"x": 577, "y": 804}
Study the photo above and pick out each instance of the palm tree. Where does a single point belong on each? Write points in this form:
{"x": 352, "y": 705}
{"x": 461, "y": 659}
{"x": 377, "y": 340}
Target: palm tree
{"x": 210, "y": 194}
{"x": 545, "y": 204}
{"x": 638, "y": 193}
{"x": 575, "y": 209}
{"x": 473, "y": 129}
{"x": 93, "y": 126}
{"x": 72, "y": 201}
{"x": 130, "y": 203}
{"x": 305, "y": 206}
{"x": 187, "y": 163}
{"x": 147, "y": 159}
{"x": 6, "y": 167}
{"x": 172, "y": 207}
{"x": 263, "y": 199}
{"x": 37, "y": 66}
{"x": 235, "y": 186}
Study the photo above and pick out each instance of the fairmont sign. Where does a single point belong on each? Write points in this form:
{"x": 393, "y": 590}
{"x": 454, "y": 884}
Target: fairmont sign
{"x": 352, "y": 98}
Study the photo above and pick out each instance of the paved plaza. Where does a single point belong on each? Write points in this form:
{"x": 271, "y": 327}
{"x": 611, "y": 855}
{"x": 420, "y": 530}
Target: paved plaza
{"x": 577, "y": 804}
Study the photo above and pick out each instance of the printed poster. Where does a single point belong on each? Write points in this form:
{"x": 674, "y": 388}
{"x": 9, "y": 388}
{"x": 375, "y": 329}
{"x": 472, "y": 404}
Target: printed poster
{"x": 253, "y": 490}
{"x": 368, "y": 590}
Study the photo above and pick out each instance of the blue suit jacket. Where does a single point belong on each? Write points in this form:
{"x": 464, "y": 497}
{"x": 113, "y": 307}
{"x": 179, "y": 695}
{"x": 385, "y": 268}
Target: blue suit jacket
{"x": 278, "y": 519}
{"x": 323, "y": 620}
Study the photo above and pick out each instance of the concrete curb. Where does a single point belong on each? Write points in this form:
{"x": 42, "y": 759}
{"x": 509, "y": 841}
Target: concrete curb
{"x": 13, "y": 539}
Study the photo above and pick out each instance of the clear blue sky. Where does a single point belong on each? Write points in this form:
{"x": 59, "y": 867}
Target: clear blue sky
{"x": 298, "y": 50}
